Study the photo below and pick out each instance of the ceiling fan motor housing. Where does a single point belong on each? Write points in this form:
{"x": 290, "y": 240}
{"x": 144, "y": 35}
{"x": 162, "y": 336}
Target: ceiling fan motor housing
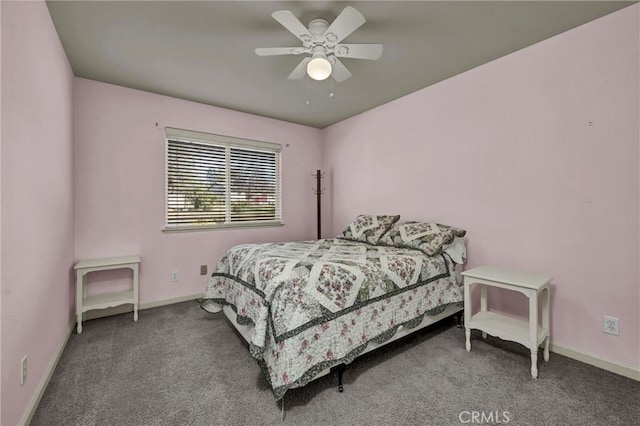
{"x": 317, "y": 27}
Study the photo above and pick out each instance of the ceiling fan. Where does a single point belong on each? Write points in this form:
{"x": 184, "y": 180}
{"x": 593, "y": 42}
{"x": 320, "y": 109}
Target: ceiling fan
{"x": 322, "y": 42}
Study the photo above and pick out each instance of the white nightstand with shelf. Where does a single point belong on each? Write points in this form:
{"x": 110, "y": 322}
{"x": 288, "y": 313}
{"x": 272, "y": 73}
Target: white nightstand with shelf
{"x": 527, "y": 333}
{"x": 86, "y": 303}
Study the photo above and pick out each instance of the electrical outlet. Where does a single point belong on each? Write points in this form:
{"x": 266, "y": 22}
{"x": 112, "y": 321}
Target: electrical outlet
{"x": 23, "y": 370}
{"x": 611, "y": 325}
{"x": 203, "y": 269}
{"x": 174, "y": 276}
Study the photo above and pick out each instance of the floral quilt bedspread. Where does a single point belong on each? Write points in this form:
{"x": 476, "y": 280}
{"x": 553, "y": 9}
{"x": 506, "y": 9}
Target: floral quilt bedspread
{"x": 315, "y": 304}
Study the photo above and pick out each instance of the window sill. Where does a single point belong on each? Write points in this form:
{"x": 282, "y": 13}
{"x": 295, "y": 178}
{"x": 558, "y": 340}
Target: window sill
{"x": 226, "y": 226}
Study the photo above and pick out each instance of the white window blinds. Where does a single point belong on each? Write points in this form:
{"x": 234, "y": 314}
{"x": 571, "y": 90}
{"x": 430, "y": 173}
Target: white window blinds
{"x": 218, "y": 181}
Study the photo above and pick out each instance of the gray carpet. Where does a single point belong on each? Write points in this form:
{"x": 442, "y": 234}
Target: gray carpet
{"x": 179, "y": 365}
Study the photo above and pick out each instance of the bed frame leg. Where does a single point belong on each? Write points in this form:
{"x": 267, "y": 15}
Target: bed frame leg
{"x": 341, "y": 369}
{"x": 460, "y": 319}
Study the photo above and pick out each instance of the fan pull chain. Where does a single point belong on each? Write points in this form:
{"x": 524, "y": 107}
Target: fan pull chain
{"x": 307, "y": 89}
{"x": 330, "y": 87}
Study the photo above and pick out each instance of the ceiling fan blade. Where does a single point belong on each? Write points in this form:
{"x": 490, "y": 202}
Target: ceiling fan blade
{"x": 338, "y": 71}
{"x": 359, "y": 51}
{"x": 347, "y": 22}
{"x": 293, "y": 24}
{"x": 300, "y": 71}
{"x": 270, "y": 51}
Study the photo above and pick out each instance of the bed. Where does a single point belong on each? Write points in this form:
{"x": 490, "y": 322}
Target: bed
{"x": 307, "y": 306}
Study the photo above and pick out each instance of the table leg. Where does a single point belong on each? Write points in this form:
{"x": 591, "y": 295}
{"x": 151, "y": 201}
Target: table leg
{"x": 80, "y": 294}
{"x": 483, "y": 303}
{"x": 135, "y": 291}
{"x": 534, "y": 364}
{"x": 467, "y": 311}
{"x": 483, "y": 298}
{"x": 546, "y": 349}
{"x": 467, "y": 333}
{"x": 533, "y": 332}
{"x": 545, "y": 320}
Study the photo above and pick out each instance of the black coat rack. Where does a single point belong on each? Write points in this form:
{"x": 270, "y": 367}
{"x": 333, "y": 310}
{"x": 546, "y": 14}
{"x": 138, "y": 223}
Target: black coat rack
{"x": 319, "y": 191}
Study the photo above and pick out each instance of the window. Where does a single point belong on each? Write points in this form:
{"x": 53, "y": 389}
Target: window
{"x": 219, "y": 181}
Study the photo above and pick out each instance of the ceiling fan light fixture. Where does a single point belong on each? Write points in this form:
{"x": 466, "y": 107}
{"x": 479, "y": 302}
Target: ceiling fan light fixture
{"x": 319, "y": 67}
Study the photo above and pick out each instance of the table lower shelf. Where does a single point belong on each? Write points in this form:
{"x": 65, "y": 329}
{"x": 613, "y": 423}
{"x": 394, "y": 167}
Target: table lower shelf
{"x": 108, "y": 300}
{"x": 505, "y": 328}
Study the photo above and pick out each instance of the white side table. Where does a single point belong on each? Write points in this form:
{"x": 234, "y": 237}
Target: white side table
{"x": 85, "y": 303}
{"x": 530, "y": 334}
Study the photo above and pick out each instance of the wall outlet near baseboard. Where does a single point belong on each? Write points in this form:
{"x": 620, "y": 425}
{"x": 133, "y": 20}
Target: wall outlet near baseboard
{"x": 611, "y": 325}
{"x": 203, "y": 269}
{"x": 174, "y": 276}
{"x": 23, "y": 370}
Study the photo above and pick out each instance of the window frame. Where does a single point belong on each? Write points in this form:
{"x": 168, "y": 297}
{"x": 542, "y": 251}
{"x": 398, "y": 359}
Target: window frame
{"x": 228, "y": 142}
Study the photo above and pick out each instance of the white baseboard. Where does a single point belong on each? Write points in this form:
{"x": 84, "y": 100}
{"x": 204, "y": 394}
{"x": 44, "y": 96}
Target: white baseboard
{"x": 37, "y": 396}
{"x": 123, "y": 309}
{"x": 171, "y": 301}
{"x": 596, "y": 361}
{"x": 44, "y": 382}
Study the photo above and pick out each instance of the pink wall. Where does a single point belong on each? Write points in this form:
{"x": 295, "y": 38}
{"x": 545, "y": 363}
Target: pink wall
{"x": 119, "y": 183}
{"x": 536, "y": 155}
{"x": 37, "y": 202}
{"x": 0, "y": 213}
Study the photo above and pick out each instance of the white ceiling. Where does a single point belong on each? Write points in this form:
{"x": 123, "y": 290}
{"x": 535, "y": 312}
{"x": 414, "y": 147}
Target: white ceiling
{"x": 204, "y": 50}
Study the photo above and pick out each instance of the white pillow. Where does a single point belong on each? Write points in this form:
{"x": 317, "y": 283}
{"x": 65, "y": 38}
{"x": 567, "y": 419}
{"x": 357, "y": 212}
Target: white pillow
{"x": 457, "y": 250}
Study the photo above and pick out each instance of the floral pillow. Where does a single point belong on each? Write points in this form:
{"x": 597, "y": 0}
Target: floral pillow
{"x": 425, "y": 236}
{"x": 368, "y": 228}
{"x": 456, "y": 231}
